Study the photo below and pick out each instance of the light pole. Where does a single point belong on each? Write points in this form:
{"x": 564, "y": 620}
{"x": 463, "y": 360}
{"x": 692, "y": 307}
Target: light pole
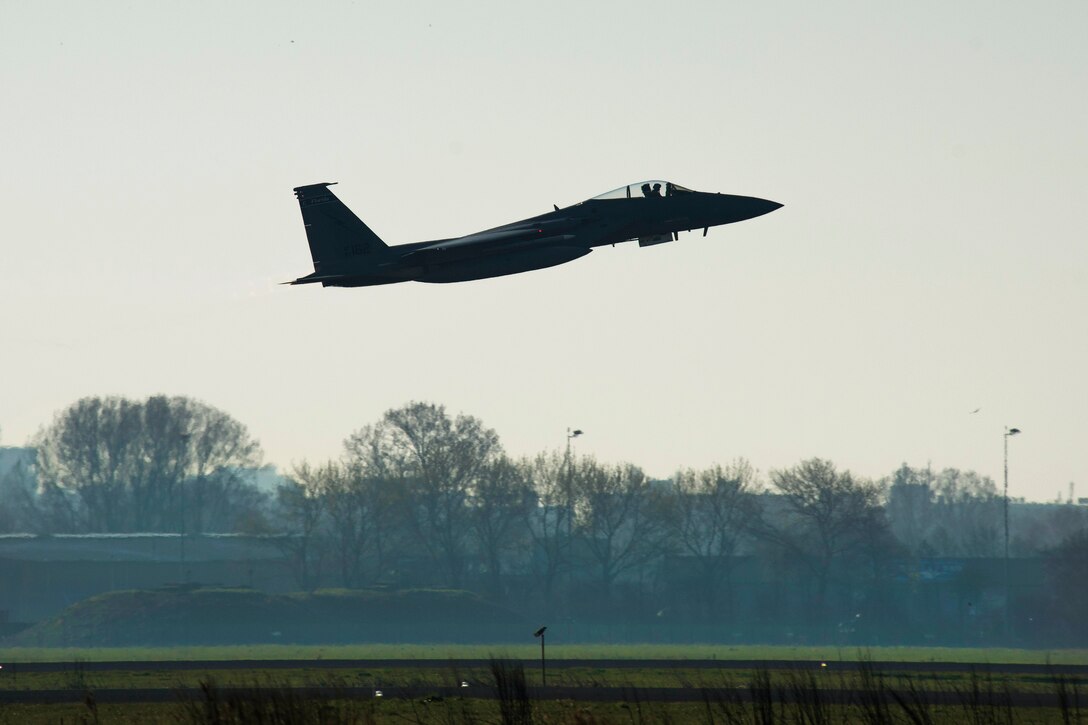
{"x": 184, "y": 439}
{"x": 571, "y": 435}
{"x": 543, "y": 667}
{"x": 569, "y": 464}
{"x": 1008, "y": 589}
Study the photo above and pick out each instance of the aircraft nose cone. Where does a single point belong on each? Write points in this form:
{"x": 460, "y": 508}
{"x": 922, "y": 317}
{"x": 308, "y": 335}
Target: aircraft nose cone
{"x": 732, "y": 209}
{"x": 758, "y": 207}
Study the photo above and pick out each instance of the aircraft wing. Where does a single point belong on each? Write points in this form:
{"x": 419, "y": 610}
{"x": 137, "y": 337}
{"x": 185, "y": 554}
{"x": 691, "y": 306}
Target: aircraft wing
{"x": 486, "y": 239}
{"x": 486, "y": 244}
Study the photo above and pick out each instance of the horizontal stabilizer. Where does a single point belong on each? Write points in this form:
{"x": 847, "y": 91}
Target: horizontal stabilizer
{"x": 314, "y": 278}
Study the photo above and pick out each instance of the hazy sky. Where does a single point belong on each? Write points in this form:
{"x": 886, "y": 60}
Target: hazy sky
{"x": 931, "y": 257}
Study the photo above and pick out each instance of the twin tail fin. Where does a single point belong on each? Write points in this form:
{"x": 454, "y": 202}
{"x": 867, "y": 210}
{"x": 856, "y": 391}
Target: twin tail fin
{"x": 339, "y": 240}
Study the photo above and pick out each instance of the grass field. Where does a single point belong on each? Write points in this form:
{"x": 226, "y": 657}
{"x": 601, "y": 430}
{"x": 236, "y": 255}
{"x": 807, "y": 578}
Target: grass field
{"x": 531, "y": 650}
{"x": 752, "y": 697}
{"x": 449, "y": 676}
{"x": 741, "y": 695}
{"x": 482, "y": 712}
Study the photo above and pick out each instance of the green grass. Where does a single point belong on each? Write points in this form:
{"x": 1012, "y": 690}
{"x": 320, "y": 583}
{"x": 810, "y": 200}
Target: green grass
{"x": 268, "y": 696}
{"x": 456, "y": 710}
{"x": 447, "y": 676}
{"x": 448, "y": 712}
{"x": 532, "y": 650}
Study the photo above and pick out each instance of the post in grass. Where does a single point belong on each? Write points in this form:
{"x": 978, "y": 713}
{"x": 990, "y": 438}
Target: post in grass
{"x": 543, "y": 666}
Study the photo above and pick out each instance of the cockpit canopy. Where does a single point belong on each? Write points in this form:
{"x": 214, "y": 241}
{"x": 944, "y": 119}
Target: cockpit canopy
{"x": 653, "y": 188}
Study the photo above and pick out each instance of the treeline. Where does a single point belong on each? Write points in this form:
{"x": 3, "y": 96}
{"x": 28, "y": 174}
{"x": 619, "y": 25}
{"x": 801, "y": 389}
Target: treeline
{"x": 424, "y": 498}
{"x": 113, "y": 465}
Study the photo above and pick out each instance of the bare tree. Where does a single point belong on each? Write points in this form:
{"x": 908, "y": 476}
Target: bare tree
{"x": 300, "y": 511}
{"x": 825, "y": 516}
{"x": 18, "y": 489}
{"x": 951, "y": 513}
{"x": 353, "y": 505}
{"x": 89, "y": 450}
{"x": 130, "y": 462}
{"x": 710, "y": 511}
{"x": 967, "y": 514}
{"x": 550, "y": 521}
{"x": 619, "y": 518}
{"x": 500, "y": 503}
{"x": 223, "y": 502}
{"x": 437, "y": 462}
{"x": 221, "y": 460}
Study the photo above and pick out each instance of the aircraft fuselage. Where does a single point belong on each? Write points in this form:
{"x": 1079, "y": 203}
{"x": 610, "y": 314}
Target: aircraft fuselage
{"x": 346, "y": 253}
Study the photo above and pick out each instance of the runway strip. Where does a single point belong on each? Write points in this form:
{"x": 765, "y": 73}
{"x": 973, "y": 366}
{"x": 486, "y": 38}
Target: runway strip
{"x": 586, "y": 694}
{"x": 558, "y": 664}
{"x": 713, "y": 696}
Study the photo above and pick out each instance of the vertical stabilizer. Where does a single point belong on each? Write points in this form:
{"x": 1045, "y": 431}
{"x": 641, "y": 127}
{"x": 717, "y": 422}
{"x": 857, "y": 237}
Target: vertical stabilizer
{"x": 338, "y": 239}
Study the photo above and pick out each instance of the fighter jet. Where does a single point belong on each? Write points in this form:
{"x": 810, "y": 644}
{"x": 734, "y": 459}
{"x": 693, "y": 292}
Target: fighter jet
{"x": 346, "y": 253}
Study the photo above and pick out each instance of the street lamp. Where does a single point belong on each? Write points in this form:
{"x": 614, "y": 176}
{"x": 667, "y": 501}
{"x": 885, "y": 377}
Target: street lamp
{"x": 183, "y": 438}
{"x": 569, "y": 465}
{"x": 543, "y": 667}
{"x": 571, "y": 435}
{"x": 1009, "y": 432}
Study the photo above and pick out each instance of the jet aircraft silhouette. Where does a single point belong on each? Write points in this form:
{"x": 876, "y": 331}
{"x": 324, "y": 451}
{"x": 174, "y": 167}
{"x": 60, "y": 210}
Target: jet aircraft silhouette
{"x": 346, "y": 253}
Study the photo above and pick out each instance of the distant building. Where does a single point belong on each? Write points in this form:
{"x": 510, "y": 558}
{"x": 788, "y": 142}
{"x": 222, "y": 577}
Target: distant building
{"x": 12, "y": 459}
{"x": 268, "y": 478}
{"x": 18, "y": 487}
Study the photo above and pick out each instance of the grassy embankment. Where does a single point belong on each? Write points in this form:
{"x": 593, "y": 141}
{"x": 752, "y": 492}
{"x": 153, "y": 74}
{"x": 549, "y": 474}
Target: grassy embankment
{"x": 208, "y": 616}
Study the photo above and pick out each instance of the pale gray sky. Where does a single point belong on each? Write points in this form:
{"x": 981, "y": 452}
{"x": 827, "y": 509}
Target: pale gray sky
{"x": 931, "y": 257}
